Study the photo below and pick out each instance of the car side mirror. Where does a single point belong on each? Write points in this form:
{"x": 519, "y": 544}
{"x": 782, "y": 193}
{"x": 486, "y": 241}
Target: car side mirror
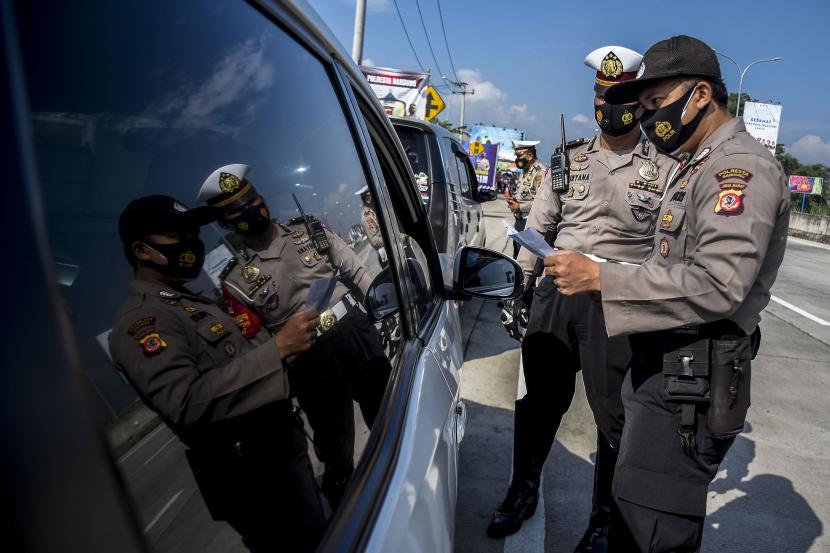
{"x": 381, "y": 298}
{"x": 487, "y": 274}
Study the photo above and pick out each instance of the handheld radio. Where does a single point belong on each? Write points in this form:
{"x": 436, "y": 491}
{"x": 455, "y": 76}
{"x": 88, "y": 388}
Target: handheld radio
{"x": 559, "y": 173}
{"x": 315, "y": 230}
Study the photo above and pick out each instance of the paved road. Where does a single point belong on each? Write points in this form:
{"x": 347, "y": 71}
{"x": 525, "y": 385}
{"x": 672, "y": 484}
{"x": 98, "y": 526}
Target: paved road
{"x": 772, "y": 492}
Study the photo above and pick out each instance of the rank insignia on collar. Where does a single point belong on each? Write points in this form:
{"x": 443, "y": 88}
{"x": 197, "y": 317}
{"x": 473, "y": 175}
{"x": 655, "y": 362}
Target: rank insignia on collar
{"x": 734, "y": 173}
{"x": 703, "y": 153}
{"x": 730, "y": 202}
{"x": 664, "y": 247}
{"x": 250, "y": 273}
{"x": 665, "y": 221}
{"x": 648, "y": 170}
{"x": 152, "y": 343}
{"x": 580, "y": 158}
{"x": 168, "y": 294}
{"x": 229, "y": 183}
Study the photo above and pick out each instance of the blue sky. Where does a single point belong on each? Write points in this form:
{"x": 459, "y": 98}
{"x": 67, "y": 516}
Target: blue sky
{"x": 525, "y": 59}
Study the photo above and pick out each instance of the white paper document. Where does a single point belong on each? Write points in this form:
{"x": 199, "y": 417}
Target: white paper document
{"x": 534, "y": 242}
{"x": 319, "y": 293}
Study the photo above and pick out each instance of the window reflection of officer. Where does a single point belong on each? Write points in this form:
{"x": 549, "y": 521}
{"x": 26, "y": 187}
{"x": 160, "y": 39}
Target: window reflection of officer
{"x": 226, "y": 400}
{"x": 269, "y": 281}
{"x": 529, "y": 181}
{"x": 610, "y": 210}
{"x": 371, "y": 225}
{"x": 695, "y": 304}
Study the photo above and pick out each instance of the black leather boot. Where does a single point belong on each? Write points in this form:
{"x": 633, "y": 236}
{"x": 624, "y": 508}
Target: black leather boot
{"x": 595, "y": 539}
{"x": 532, "y": 440}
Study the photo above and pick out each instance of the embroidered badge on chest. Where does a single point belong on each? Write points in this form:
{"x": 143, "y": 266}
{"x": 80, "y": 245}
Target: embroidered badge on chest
{"x": 664, "y": 247}
{"x": 640, "y": 213}
{"x": 665, "y": 221}
{"x": 580, "y": 158}
{"x": 250, "y": 273}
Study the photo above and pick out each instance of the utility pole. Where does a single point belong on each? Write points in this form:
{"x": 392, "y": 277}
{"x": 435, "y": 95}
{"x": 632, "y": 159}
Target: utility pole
{"x": 359, "y": 25}
{"x": 742, "y": 73}
{"x": 464, "y": 91}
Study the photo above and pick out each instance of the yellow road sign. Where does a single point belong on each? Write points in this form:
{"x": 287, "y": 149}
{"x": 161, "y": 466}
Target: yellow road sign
{"x": 435, "y": 104}
{"x": 476, "y": 148}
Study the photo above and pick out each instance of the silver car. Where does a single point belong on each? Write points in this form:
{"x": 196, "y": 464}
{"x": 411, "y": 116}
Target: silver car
{"x": 109, "y": 102}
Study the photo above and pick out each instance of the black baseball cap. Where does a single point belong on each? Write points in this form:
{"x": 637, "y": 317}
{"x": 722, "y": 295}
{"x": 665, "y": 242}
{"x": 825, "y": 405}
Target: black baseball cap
{"x": 678, "y": 56}
{"x": 159, "y": 213}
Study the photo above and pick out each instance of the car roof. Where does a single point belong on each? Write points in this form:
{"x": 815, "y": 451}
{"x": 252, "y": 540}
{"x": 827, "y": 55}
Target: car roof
{"x": 425, "y": 126}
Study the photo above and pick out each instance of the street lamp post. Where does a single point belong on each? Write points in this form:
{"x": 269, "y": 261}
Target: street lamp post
{"x": 742, "y": 72}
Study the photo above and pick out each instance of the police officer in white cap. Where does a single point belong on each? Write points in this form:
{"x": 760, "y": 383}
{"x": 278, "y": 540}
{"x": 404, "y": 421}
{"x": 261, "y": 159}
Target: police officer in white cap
{"x": 609, "y": 210}
{"x": 529, "y": 181}
{"x": 269, "y": 280}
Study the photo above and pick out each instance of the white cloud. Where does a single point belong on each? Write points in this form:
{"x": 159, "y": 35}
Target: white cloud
{"x": 810, "y": 149}
{"x": 368, "y": 61}
{"x": 581, "y": 119}
{"x": 485, "y": 91}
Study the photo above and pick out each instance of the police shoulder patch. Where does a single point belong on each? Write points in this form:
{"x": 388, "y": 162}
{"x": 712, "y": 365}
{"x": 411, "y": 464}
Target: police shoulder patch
{"x": 152, "y": 343}
{"x": 734, "y": 173}
{"x": 140, "y": 325}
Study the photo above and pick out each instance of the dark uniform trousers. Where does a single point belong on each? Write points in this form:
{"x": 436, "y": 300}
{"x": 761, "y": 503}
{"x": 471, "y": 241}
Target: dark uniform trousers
{"x": 254, "y": 472}
{"x": 660, "y": 490}
{"x": 519, "y": 224}
{"x": 345, "y": 363}
{"x": 566, "y": 335}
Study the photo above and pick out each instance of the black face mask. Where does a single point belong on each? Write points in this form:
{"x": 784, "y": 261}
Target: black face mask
{"x": 251, "y": 222}
{"x": 615, "y": 120}
{"x": 184, "y": 260}
{"x": 664, "y": 126}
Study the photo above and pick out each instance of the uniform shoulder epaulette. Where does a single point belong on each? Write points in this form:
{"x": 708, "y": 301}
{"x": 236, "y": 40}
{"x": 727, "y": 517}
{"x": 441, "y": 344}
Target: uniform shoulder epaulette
{"x": 232, "y": 262}
{"x": 575, "y": 143}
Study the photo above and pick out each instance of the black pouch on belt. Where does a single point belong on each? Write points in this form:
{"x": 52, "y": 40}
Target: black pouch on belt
{"x": 730, "y": 386}
{"x": 686, "y": 370}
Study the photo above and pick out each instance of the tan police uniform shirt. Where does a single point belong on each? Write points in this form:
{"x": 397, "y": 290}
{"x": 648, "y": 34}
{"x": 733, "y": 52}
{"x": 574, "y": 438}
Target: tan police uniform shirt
{"x": 188, "y": 359}
{"x": 611, "y": 207}
{"x": 720, "y": 239}
{"x": 369, "y": 222}
{"x": 528, "y": 185}
{"x": 274, "y": 281}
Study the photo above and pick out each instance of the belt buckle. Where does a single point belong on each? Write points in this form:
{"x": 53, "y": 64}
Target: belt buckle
{"x": 327, "y": 320}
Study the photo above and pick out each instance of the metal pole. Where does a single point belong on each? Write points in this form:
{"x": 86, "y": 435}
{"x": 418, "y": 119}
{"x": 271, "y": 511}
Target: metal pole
{"x": 463, "y": 101}
{"x": 359, "y": 25}
{"x": 740, "y": 91}
{"x": 742, "y": 74}
{"x": 803, "y": 201}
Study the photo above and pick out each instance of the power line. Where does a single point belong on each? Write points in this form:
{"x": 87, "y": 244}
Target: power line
{"x": 447, "y": 44}
{"x": 421, "y": 15}
{"x": 397, "y": 9}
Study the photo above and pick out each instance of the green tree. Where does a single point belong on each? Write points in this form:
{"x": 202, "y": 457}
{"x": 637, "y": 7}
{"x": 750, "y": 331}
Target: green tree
{"x": 450, "y": 127}
{"x": 732, "y": 103}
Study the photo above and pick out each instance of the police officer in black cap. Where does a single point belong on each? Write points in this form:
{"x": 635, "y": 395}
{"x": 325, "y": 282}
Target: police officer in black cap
{"x": 693, "y": 307}
{"x": 224, "y": 398}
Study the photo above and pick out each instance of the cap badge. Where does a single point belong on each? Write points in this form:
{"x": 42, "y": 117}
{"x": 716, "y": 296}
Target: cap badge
{"x": 649, "y": 171}
{"x": 229, "y": 183}
{"x": 641, "y": 70}
{"x": 611, "y": 66}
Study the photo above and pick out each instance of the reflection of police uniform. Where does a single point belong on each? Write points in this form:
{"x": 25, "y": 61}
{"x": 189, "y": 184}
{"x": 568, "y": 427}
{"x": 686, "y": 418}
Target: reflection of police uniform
{"x": 528, "y": 184}
{"x": 721, "y": 236}
{"x": 369, "y": 222}
{"x": 228, "y": 402}
{"x": 346, "y": 361}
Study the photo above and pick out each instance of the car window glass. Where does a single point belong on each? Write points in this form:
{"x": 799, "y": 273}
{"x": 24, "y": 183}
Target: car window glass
{"x": 449, "y": 162}
{"x": 134, "y": 99}
{"x": 415, "y": 145}
{"x": 464, "y": 176}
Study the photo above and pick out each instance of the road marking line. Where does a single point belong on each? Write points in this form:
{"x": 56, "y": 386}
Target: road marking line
{"x": 800, "y": 311}
{"x": 163, "y": 510}
{"x": 142, "y": 443}
{"x": 531, "y": 538}
{"x": 153, "y": 456}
